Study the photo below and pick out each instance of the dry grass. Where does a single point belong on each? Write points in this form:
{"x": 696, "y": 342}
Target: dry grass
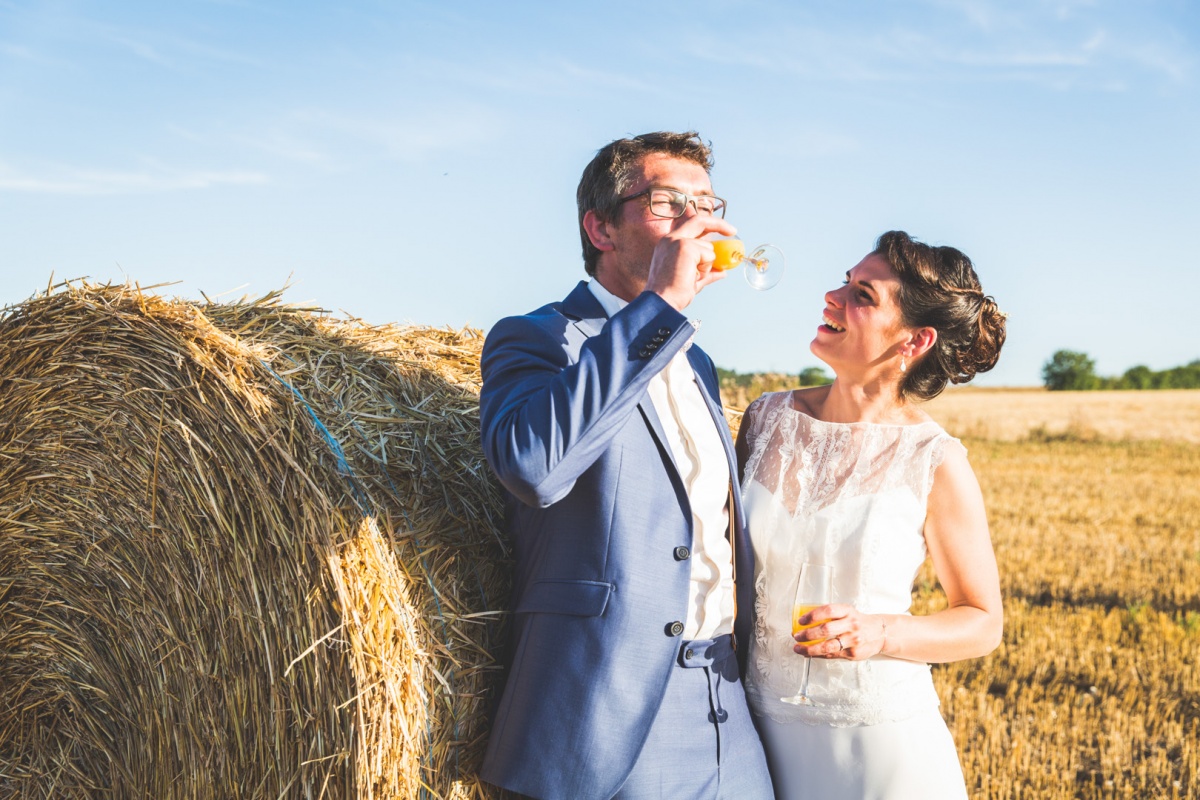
{"x": 1013, "y": 414}
{"x": 1094, "y": 500}
{"x": 1095, "y": 691}
{"x": 245, "y": 551}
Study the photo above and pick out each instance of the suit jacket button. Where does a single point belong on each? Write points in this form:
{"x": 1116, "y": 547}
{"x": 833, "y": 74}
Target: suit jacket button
{"x": 644, "y": 352}
{"x": 682, "y": 553}
{"x": 664, "y": 331}
{"x": 675, "y": 629}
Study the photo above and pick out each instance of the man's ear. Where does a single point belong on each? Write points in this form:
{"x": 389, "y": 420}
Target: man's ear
{"x": 921, "y": 342}
{"x": 597, "y": 231}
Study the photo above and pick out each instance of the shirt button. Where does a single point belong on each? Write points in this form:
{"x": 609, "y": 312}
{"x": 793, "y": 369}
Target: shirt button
{"x": 675, "y": 628}
{"x": 688, "y": 653}
{"x": 682, "y": 553}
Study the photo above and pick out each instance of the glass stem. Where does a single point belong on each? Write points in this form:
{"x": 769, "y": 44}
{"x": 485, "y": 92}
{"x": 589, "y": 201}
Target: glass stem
{"x": 804, "y": 680}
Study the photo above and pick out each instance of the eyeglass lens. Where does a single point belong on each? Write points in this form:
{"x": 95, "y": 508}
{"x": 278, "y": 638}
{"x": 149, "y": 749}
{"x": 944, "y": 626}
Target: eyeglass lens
{"x": 667, "y": 203}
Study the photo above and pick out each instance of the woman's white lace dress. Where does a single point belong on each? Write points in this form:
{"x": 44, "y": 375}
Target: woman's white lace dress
{"x": 851, "y": 495}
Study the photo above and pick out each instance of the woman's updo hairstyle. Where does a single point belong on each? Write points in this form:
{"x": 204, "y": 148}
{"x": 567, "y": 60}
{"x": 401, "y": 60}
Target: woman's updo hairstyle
{"x": 939, "y": 289}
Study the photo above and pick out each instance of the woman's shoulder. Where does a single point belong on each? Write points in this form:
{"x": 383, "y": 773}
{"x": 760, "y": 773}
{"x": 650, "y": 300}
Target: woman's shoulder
{"x": 806, "y": 401}
{"x": 809, "y": 399}
{"x": 765, "y": 411}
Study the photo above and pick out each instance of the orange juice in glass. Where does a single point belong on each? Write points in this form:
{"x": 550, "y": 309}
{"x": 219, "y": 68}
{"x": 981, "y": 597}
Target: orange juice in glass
{"x": 728, "y": 253}
{"x": 764, "y": 264}
{"x": 797, "y": 613}
{"x": 813, "y": 589}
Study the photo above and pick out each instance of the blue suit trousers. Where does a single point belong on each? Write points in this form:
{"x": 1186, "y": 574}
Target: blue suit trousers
{"x": 702, "y": 743}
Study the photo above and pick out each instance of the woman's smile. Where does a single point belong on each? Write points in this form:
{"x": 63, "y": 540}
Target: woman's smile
{"x": 828, "y": 325}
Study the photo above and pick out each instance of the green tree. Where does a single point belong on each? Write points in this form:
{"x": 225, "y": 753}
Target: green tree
{"x": 814, "y": 376}
{"x": 1190, "y": 375}
{"x": 1187, "y": 377}
{"x": 1139, "y": 377}
{"x": 1069, "y": 370}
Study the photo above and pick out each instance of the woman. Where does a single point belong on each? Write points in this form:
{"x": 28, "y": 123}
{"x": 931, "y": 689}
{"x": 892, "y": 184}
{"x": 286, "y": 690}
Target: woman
{"x": 857, "y": 476}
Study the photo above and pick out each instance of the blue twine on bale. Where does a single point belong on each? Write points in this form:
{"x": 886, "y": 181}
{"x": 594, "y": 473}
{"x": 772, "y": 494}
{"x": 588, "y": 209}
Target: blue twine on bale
{"x": 360, "y": 497}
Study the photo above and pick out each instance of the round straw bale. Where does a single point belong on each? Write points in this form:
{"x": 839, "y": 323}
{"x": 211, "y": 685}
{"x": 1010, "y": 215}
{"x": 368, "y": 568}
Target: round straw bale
{"x": 246, "y": 550}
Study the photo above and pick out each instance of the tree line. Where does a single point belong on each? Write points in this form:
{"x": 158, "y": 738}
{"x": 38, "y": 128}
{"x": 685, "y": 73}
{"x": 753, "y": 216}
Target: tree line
{"x": 1072, "y": 370}
{"x": 738, "y": 389}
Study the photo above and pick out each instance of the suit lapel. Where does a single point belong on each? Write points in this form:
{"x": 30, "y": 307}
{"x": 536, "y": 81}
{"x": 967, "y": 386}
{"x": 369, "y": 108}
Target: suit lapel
{"x": 589, "y": 318}
{"x": 585, "y": 310}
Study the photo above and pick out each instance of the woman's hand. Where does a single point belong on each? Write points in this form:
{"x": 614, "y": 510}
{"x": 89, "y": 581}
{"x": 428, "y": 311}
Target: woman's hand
{"x": 842, "y": 632}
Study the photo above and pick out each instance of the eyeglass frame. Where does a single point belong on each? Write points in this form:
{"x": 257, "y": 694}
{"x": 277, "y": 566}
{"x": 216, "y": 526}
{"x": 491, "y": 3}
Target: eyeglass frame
{"x": 688, "y": 198}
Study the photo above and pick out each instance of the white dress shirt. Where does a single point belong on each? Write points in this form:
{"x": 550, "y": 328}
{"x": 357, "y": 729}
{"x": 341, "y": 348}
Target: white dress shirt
{"x": 700, "y": 457}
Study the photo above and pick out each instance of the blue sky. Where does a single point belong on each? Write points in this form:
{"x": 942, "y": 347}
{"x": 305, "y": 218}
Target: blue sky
{"x": 417, "y": 161}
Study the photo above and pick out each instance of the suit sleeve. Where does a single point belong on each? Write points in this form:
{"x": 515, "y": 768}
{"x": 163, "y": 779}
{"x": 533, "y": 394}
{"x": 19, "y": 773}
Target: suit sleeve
{"x": 545, "y": 415}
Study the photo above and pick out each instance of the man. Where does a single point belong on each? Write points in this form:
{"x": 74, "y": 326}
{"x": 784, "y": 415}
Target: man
{"x": 605, "y": 427}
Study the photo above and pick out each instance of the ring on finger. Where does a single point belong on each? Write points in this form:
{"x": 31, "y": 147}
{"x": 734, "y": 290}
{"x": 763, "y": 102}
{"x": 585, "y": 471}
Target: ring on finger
{"x": 841, "y": 646}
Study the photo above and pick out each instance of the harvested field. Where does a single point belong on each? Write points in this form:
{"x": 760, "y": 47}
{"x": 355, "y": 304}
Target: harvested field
{"x": 1013, "y": 414}
{"x": 1095, "y": 690}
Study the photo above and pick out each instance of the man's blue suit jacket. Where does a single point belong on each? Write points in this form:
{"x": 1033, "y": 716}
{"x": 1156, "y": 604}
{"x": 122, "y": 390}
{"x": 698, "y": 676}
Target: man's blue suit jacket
{"x": 596, "y": 511}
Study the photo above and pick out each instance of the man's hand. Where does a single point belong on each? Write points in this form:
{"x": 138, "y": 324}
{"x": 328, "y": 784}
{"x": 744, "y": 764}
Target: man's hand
{"x": 682, "y": 261}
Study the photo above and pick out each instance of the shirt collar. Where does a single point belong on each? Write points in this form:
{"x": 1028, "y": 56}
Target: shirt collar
{"x": 612, "y": 304}
{"x": 608, "y": 301}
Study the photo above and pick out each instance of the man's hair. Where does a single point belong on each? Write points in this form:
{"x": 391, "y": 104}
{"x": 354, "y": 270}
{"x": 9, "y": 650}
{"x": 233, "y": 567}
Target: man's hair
{"x": 610, "y": 173}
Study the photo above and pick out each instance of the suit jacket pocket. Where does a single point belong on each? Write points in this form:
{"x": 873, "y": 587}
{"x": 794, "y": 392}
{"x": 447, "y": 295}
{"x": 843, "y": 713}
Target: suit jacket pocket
{"x": 577, "y": 598}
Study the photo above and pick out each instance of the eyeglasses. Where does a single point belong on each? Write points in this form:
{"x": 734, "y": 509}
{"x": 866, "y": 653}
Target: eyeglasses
{"x": 672, "y": 203}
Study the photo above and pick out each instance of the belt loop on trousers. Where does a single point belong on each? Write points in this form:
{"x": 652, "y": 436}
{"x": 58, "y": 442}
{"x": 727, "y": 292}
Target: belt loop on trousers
{"x": 695, "y": 653}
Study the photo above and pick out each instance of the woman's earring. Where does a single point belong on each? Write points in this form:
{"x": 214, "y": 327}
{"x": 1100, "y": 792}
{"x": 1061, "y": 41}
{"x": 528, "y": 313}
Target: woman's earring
{"x": 903, "y": 366}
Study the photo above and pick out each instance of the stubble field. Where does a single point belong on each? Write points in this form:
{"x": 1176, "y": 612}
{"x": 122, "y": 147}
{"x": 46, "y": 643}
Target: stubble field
{"x": 1094, "y": 504}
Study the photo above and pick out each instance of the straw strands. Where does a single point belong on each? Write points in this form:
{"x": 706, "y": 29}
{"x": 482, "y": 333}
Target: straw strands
{"x": 246, "y": 550}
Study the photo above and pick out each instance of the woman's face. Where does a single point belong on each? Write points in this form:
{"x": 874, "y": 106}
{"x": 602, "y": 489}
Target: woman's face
{"x": 861, "y": 328}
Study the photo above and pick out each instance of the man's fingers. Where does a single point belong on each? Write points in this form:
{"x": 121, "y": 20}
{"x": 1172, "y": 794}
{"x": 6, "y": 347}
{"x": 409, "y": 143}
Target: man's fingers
{"x": 698, "y": 225}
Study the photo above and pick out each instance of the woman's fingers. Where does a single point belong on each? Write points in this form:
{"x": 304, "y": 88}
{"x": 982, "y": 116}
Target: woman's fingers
{"x": 826, "y": 613}
{"x": 837, "y": 634}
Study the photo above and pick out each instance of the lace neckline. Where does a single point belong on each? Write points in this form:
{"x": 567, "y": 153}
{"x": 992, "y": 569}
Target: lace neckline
{"x": 791, "y": 404}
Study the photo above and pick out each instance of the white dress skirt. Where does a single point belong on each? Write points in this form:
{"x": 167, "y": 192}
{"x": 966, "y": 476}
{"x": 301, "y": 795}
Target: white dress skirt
{"x": 913, "y": 759}
{"x": 852, "y": 496}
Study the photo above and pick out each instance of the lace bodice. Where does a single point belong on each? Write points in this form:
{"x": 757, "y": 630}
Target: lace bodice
{"x": 851, "y": 495}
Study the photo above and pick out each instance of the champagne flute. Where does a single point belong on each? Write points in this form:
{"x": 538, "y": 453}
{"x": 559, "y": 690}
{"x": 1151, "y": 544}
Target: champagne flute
{"x": 812, "y": 590}
{"x": 763, "y": 266}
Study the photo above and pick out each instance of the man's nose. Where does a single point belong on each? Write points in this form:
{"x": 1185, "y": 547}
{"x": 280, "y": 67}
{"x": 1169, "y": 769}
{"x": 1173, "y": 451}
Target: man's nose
{"x": 705, "y": 210}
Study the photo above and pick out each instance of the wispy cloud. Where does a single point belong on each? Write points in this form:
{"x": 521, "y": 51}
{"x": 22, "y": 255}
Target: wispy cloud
{"x": 1068, "y": 44}
{"x": 815, "y": 144}
{"x": 61, "y": 180}
{"x": 1106, "y": 43}
{"x": 20, "y": 52}
{"x": 335, "y": 138}
{"x": 544, "y": 76}
{"x": 412, "y": 137}
{"x": 289, "y": 146}
{"x": 163, "y": 49}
